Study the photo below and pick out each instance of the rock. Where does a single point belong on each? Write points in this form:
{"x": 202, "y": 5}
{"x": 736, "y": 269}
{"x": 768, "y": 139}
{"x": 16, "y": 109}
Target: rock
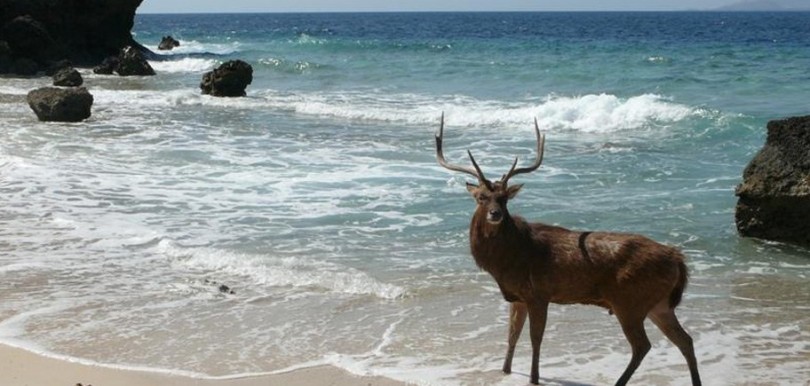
{"x": 107, "y": 66}
{"x": 168, "y": 43}
{"x": 68, "y": 77}
{"x": 85, "y": 32}
{"x": 774, "y": 197}
{"x": 228, "y": 80}
{"x": 132, "y": 62}
{"x": 61, "y": 104}
{"x": 129, "y": 62}
{"x": 226, "y": 290}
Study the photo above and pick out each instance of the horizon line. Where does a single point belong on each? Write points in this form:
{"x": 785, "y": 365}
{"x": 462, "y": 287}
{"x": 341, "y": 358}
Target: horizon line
{"x": 478, "y": 11}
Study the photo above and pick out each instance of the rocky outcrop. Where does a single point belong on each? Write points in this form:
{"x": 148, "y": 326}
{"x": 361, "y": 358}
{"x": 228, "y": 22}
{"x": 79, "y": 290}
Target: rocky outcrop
{"x": 61, "y": 104}
{"x": 132, "y": 62}
{"x": 774, "y": 197}
{"x": 83, "y": 31}
{"x": 68, "y": 77}
{"x": 129, "y": 62}
{"x": 228, "y": 80}
{"x": 168, "y": 43}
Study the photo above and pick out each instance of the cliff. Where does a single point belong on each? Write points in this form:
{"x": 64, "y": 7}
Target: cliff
{"x": 36, "y": 33}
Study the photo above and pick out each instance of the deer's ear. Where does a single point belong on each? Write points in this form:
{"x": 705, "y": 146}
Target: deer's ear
{"x": 513, "y": 190}
{"x": 472, "y": 188}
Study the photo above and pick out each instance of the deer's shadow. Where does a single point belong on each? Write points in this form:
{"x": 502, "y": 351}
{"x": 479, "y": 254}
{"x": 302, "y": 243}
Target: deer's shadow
{"x": 554, "y": 382}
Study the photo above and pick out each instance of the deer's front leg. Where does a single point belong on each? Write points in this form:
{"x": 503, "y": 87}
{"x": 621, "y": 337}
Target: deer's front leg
{"x": 538, "y": 311}
{"x": 517, "y": 317}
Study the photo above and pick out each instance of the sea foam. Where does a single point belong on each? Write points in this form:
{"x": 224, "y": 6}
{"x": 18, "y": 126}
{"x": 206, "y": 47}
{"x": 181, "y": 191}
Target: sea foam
{"x": 295, "y": 271}
{"x": 184, "y": 65}
{"x": 588, "y": 113}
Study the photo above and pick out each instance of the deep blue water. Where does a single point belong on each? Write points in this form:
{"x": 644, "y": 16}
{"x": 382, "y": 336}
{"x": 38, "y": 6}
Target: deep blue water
{"x": 318, "y": 199}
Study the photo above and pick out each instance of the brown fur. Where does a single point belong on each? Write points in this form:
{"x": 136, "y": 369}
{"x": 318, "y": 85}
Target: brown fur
{"x": 536, "y": 264}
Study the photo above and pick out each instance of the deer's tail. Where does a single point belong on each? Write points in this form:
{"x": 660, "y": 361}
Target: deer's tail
{"x": 677, "y": 292}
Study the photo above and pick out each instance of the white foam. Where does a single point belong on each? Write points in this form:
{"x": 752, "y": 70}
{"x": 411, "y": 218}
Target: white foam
{"x": 197, "y": 47}
{"x": 589, "y": 113}
{"x": 605, "y": 113}
{"x": 184, "y": 65}
{"x": 282, "y": 272}
{"x": 11, "y": 90}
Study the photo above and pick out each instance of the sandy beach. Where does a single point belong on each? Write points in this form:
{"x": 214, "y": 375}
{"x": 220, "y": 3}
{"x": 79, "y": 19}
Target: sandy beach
{"x": 23, "y": 368}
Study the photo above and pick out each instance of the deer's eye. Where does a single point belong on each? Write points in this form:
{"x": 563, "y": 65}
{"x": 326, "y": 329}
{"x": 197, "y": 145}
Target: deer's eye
{"x": 483, "y": 197}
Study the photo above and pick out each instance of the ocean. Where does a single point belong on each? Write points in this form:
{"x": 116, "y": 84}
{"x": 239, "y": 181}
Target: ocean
{"x": 318, "y": 202}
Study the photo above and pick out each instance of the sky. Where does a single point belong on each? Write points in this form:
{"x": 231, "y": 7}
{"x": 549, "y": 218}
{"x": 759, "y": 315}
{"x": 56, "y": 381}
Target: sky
{"x": 202, "y": 6}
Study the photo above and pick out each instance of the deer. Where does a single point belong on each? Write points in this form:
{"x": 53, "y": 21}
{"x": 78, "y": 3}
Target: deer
{"x": 535, "y": 264}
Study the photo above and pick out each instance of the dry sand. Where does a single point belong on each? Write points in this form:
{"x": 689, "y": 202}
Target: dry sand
{"x": 23, "y": 368}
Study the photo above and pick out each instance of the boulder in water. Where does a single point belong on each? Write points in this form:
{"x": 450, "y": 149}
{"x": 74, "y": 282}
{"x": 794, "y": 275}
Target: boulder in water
{"x": 228, "y": 80}
{"x": 168, "y": 43}
{"x": 61, "y": 104}
{"x": 132, "y": 62}
{"x": 774, "y": 197}
{"x": 68, "y": 77}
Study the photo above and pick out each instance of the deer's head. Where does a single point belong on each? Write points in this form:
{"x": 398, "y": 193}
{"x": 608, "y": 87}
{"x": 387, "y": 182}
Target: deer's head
{"x": 491, "y": 197}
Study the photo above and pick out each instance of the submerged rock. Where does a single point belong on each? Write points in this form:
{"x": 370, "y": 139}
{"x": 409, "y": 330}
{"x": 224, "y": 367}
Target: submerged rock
{"x": 774, "y": 197}
{"x": 226, "y": 290}
{"x": 61, "y": 104}
{"x": 228, "y": 80}
{"x": 168, "y": 43}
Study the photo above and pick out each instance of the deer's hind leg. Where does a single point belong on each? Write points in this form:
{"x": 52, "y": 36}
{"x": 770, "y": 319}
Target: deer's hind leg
{"x": 517, "y": 317}
{"x": 633, "y": 327}
{"x": 664, "y": 317}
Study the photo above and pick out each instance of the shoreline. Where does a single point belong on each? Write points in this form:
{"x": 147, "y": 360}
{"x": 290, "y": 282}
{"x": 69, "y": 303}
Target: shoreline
{"x": 20, "y": 367}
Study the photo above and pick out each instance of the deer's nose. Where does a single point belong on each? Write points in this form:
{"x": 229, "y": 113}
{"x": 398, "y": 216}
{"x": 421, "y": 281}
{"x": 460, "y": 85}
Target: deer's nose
{"x": 494, "y": 215}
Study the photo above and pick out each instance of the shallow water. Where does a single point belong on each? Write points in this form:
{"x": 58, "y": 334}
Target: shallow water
{"x": 318, "y": 201}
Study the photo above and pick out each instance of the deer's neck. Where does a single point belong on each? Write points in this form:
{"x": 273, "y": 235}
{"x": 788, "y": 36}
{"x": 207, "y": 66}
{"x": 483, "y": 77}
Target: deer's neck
{"x": 490, "y": 244}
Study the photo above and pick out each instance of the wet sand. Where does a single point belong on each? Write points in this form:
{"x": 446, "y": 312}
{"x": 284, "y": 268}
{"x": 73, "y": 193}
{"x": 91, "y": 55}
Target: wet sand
{"x": 23, "y": 368}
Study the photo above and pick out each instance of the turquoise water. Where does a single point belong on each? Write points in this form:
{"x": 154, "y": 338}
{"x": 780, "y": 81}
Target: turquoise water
{"x": 318, "y": 199}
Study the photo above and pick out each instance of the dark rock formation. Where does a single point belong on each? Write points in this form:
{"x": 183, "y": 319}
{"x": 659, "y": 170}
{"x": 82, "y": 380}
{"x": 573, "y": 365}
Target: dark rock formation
{"x": 228, "y": 80}
{"x": 774, "y": 197}
{"x": 132, "y": 62}
{"x": 29, "y": 38}
{"x": 168, "y": 43}
{"x": 129, "y": 62}
{"x": 83, "y": 31}
{"x": 68, "y": 77}
{"x": 107, "y": 66}
{"x": 226, "y": 290}
{"x": 61, "y": 104}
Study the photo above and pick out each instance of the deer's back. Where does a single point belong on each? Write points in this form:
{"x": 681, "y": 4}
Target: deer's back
{"x": 602, "y": 268}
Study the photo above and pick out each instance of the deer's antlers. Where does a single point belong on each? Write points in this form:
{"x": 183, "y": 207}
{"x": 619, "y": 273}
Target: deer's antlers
{"x": 541, "y": 144}
{"x": 476, "y": 171}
